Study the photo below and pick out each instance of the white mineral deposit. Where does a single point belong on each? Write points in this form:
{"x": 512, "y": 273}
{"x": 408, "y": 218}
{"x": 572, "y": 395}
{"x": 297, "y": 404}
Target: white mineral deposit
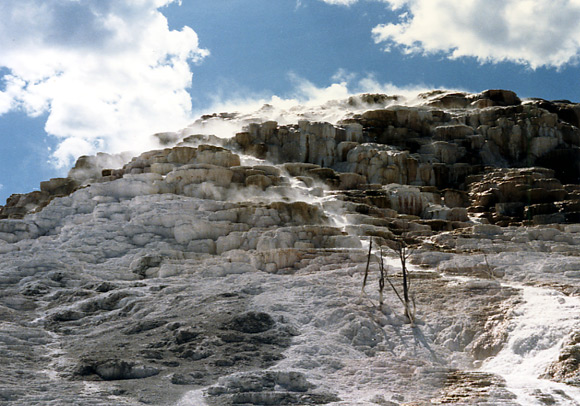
{"x": 227, "y": 266}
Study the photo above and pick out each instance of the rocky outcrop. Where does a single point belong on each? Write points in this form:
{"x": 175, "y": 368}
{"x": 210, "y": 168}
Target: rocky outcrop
{"x": 530, "y": 194}
{"x": 18, "y": 205}
{"x": 567, "y": 368}
{"x": 473, "y": 388}
{"x": 423, "y": 146}
{"x": 450, "y": 143}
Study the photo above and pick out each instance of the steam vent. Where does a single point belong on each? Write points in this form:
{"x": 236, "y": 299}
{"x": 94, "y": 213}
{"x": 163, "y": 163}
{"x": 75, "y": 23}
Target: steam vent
{"x": 407, "y": 253}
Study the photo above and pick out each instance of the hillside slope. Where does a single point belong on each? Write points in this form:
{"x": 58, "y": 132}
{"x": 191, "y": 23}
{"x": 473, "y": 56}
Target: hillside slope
{"x": 229, "y": 270}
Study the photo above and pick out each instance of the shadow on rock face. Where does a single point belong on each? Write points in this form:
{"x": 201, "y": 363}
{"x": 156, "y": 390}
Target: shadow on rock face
{"x": 252, "y": 323}
{"x": 115, "y": 369}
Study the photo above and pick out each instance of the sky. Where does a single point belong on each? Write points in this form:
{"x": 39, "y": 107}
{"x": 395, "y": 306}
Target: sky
{"x": 82, "y": 76}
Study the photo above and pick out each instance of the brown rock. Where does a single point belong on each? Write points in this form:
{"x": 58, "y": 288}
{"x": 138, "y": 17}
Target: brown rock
{"x": 182, "y": 155}
{"x": 351, "y": 180}
{"x": 18, "y": 205}
{"x": 452, "y": 132}
{"x": 59, "y": 186}
{"x": 501, "y": 97}
{"x": 259, "y": 181}
{"x": 455, "y": 198}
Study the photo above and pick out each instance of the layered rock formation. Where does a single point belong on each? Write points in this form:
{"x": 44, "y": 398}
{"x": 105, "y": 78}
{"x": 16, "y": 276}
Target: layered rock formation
{"x": 453, "y": 150}
{"x": 222, "y": 271}
{"x": 453, "y": 141}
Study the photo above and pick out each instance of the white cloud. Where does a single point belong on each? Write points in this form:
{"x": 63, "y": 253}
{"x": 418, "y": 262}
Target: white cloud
{"x": 531, "y": 32}
{"x": 108, "y": 72}
{"x": 5, "y": 102}
{"x": 340, "y": 2}
{"x": 394, "y": 3}
{"x": 535, "y": 33}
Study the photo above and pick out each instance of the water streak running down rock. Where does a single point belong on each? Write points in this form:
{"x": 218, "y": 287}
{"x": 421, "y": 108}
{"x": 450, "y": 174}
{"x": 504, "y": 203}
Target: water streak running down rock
{"x": 226, "y": 269}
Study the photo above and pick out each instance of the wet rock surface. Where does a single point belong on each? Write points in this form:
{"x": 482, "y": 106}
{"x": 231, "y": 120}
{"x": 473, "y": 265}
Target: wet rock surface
{"x": 567, "y": 368}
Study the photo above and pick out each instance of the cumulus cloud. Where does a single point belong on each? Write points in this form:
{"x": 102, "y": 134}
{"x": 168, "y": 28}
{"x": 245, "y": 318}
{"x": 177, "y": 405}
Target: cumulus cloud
{"x": 108, "y": 72}
{"x": 531, "y": 32}
{"x": 535, "y": 33}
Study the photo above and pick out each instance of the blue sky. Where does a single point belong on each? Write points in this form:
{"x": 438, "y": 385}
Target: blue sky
{"x": 81, "y": 76}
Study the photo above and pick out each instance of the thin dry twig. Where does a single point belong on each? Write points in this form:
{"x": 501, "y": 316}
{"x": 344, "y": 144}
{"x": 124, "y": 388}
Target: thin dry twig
{"x": 381, "y": 279}
{"x": 367, "y": 268}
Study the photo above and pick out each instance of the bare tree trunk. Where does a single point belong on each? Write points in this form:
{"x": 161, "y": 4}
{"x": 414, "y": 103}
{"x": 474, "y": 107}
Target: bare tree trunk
{"x": 381, "y": 281}
{"x": 403, "y": 255}
{"x": 407, "y": 300}
{"x": 367, "y": 268}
